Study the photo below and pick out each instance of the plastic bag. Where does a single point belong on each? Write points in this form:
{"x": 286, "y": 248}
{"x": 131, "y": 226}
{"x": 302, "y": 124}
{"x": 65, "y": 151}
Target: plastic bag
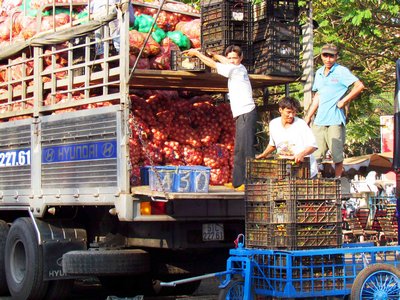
{"x": 179, "y": 39}
{"x": 143, "y": 23}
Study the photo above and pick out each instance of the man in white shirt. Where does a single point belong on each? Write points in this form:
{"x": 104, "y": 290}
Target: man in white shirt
{"x": 291, "y": 136}
{"x": 242, "y": 106}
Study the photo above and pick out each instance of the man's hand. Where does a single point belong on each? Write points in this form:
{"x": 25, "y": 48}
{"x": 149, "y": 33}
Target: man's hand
{"x": 191, "y": 52}
{"x": 342, "y": 103}
{"x": 262, "y": 155}
{"x": 307, "y": 119}
{"x": 299, "y": 157}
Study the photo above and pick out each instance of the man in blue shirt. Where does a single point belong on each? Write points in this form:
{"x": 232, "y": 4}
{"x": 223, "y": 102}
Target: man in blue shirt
{"x": 332, "y": 95}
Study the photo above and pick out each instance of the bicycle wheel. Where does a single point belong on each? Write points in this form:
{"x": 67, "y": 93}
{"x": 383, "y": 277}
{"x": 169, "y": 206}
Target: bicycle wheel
{"x": 233, "y": 291}
{"x": 377, "y": 282}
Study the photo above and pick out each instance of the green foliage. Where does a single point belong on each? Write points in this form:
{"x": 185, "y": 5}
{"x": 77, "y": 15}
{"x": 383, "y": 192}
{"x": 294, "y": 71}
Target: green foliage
{"x": 368, "y": 34}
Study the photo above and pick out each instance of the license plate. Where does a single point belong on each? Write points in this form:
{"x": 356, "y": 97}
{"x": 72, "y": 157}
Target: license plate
{"x": 213, "y": 232}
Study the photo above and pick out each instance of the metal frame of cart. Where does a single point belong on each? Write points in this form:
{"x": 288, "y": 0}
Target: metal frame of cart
{"x": 362, "y": 272}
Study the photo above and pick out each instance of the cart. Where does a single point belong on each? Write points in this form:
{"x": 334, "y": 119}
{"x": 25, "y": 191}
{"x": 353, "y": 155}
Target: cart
{"x": 359, "y": 272}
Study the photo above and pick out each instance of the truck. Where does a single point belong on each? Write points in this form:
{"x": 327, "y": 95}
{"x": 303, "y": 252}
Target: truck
{"x": 68, "y": 208}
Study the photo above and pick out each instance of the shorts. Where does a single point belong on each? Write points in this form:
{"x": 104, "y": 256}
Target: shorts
{"x": 330, "y": 137}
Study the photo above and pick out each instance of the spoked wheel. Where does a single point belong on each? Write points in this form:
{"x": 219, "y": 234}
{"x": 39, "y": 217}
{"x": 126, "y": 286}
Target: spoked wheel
{"x": 377, "y": 282}
{"x": 233, "y": 291}
{"x": 24, "y": 262}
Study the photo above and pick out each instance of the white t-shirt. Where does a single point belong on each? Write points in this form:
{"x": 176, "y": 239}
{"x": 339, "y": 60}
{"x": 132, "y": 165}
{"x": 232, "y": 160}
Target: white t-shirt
{"x": 293, "y": 139}
{"x": 239, "y": 86}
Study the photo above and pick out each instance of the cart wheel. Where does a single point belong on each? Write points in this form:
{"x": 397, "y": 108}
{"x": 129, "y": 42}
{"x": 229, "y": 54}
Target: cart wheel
{"x": 378, "y": 281}
{"x": 234, "y": 290}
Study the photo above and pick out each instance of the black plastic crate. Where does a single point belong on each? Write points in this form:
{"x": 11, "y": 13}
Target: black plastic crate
{"x": 262, "y": 169}
{"x": 318, "y": 211}
{"x": 217, "y": 31}
{"x": 256, "y": 192}
{"x": 276, "y": 49}
{"x": 278, "y": 66}
{"x": 226, "y": 11}
{"x": 304, "y": 236}
{"x": 275, "y": 29}
{"x": 283, "y": 9}
{"x": 260, "y": 12}
{"x": 256, "y": 235}
{"x": 304, "y": 189}
{"x": 257, "y": 212}
{"x": 181, "y": 61}
{"x": 304, "y": 212}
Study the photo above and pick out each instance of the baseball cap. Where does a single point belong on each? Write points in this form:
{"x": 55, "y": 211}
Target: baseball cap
{"x": 329, "y": 48}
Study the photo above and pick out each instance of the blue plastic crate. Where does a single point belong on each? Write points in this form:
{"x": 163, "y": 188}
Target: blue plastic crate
{"x": 200, "y": 179}
{"x": 165, "y": 179}
{"x": 180, "y": 179}
{"x": 144, "y": 175}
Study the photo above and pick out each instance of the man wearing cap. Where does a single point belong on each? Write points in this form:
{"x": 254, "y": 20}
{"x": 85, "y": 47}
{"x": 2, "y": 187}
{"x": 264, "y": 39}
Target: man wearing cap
{"x": 331, "y": 85}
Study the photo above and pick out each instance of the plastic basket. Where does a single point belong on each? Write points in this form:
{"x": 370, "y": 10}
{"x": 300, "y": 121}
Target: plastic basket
{"x": 256, "y": 235}
{"x": 283, "y": 9}
{"x": 200, "y": 179}
{"x": 180, "y": 61}
{"x": 304, "y": 236}
{"x": 226, "y": 11}
{"x": 262, "y": 169}
{"x": 180, "y": 179}
{"x": 258, "y": 212}
{"x": 256, "y": 191}
{"x": 144, "y": 175}
{"x": 304, "y": 189}
{"x": 161, "y": 178}
{"x": 219, "y": 31}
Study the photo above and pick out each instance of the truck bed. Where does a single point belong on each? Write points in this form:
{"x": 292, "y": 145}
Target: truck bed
{"x": 215, "y": 192}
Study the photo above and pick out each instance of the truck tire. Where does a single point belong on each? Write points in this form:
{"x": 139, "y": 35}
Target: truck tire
{"x": 24, "y": 262}
{"x": 377, "y": 281}
{"x": 106, "y": 262}
{"x": 59, "y": 289}
{"x": 3, "y": 236}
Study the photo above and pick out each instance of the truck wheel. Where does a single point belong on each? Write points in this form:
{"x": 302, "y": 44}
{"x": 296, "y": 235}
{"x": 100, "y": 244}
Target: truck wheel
{"x": 24, "y": 262}
{"x": 3, "y": 236}
{"x": 59, "y": 289}
{"x": 377, "y": 281}
{"x": 106, "y": 262}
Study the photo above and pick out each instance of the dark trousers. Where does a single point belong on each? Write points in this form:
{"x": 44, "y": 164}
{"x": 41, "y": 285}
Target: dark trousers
{"x": 244, "y": 145}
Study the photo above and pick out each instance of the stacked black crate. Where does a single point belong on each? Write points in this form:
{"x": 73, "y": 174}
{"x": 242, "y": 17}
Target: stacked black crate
{"x": 276, "y": 38}
{"x": 285, "y": 209}
{"x": 227, "y": 22}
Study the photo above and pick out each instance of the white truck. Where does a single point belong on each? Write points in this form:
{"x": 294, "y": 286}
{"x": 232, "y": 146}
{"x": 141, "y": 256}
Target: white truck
{"x": 67, "y": 207}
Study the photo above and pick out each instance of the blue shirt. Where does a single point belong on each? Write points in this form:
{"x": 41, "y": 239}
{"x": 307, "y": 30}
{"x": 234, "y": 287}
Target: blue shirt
{"x": 331, "y": 89}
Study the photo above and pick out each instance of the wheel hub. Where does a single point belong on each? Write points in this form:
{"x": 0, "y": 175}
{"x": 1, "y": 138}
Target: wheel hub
{"x": 18, "y": 262}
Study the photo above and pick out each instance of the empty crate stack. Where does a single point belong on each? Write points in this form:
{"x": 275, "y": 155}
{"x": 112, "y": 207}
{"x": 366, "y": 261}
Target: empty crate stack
{"x": 285, "y": 209}
{"x": 276, "y": 38}
{"x": 227, "y": 22}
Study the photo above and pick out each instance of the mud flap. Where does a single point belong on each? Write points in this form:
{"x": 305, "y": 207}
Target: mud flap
{"x": 57, "y": 239}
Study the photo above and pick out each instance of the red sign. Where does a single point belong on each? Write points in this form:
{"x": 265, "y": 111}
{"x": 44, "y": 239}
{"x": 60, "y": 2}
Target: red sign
{"x": 387, "y": 127}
